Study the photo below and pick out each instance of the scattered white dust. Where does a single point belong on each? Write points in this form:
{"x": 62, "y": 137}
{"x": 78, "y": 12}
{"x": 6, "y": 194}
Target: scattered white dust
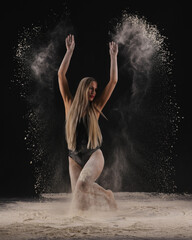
{"x": 139, "y": 215}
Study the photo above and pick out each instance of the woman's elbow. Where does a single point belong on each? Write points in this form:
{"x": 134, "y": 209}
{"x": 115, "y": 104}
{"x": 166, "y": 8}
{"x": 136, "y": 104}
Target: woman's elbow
{"x": 61, "y": 76}
{"x": 114, "y": 80}
{"x": 59, "y": 73}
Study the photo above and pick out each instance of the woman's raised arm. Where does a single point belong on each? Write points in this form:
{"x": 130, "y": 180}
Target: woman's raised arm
{"x": 105, "y": 95}
{"x": 63, "y": 84}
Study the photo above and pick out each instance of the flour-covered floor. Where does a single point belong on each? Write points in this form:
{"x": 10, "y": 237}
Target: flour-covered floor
{"x": 139, "y": 216}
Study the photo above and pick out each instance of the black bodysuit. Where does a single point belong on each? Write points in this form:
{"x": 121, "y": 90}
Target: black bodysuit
{"x": 82, "y": 154}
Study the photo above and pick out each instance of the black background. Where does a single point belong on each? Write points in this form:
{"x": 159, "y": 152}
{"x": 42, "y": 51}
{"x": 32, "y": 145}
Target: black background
{"x": 90, "y": 19}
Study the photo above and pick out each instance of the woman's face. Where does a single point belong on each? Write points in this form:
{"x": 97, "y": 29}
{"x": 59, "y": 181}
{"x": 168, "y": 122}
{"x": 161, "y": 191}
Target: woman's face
{"x": 92, "y": 90}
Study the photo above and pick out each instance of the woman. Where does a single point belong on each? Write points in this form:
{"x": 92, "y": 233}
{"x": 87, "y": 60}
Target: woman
{"x": 83, "y": 133}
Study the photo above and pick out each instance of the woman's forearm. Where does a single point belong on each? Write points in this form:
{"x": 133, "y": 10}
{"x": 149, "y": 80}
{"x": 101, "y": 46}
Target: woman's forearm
{"x": 70, "y": 45}
{"x": 65, "y": 63}
{"x": 114, "y": 69}
{"x": 113, "y": 50}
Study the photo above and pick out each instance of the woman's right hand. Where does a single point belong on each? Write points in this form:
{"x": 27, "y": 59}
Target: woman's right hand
{"x": 70, "y": 42}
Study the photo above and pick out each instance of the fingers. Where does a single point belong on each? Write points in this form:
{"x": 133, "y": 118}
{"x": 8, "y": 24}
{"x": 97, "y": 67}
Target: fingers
{"x": 113, "y": 48}
{"x": 70, "y": 42}
{"x": 70, "y": 38}
{"x": 113, "y": 45}
{"x": 73, "y": 39}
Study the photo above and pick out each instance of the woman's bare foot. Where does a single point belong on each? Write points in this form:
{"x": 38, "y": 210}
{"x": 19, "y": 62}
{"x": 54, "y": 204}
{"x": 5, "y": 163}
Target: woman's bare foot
{"x": 111, "y": 200}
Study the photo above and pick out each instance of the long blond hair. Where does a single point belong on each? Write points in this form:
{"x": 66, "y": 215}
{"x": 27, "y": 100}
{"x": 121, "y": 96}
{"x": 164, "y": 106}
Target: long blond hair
{"x": 82, "y": 108}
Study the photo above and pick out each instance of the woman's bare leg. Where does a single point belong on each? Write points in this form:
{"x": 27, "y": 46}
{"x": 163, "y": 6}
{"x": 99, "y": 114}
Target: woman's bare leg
{"x": 74, "y": 172}
{"x": 86, "y": 183}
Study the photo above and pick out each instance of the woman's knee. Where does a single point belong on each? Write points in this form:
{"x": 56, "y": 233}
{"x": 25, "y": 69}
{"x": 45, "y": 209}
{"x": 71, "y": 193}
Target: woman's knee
{"x": 84, "y": 180}
{"x": 83, "y": 185}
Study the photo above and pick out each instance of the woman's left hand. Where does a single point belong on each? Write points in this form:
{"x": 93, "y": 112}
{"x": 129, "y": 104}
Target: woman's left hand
{"x": 113, "y": 49}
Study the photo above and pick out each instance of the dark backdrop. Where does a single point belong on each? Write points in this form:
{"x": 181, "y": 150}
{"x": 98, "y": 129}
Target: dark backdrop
{"x": 90, "y": 19}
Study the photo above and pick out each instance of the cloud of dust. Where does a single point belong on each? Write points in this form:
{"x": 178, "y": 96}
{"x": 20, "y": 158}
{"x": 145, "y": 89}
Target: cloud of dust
{"x": 139, "y": 42}
{"x": 44, "y": 61}
{"x": 134, "y": 155}
{"x": 38, "y": 63}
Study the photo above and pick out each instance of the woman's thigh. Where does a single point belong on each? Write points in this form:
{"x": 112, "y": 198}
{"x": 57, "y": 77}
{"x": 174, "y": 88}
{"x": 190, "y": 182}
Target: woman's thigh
{"x": 93, "y": 168}
{"x": 74, "y": 171}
